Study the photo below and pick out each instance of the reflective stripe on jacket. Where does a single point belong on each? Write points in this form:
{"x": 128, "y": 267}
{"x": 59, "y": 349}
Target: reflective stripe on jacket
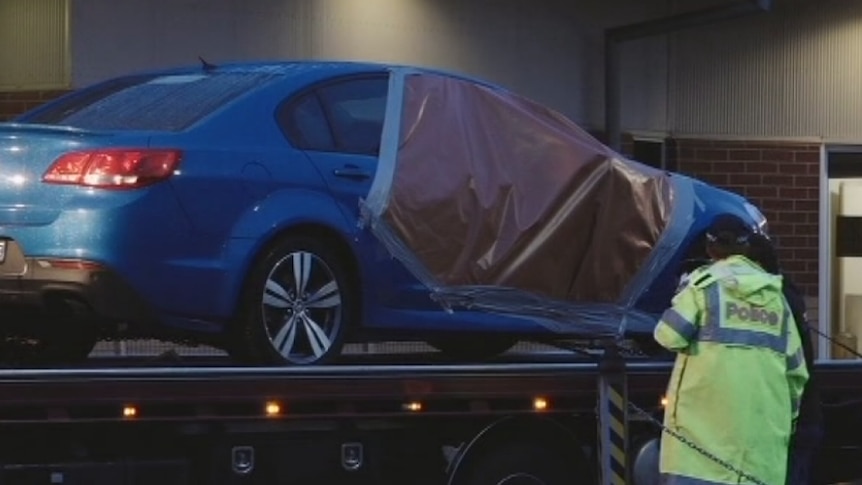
{"x": 738, "y": 377}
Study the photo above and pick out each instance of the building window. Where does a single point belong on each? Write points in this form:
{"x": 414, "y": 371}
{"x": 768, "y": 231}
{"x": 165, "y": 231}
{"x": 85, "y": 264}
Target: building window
{"x": 34, "y": 45}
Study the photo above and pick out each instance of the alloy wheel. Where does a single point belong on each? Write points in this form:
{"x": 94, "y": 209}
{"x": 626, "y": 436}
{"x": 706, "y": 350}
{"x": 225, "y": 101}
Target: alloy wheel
{"x": 302, "y": 307}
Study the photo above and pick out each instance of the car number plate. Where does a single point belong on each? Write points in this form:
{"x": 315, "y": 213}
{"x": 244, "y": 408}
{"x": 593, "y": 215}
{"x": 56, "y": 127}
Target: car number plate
{"x": 2, "y": 251}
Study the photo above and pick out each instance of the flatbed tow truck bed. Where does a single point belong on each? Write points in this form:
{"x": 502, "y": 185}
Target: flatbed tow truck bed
{"x": 499, "y": 423}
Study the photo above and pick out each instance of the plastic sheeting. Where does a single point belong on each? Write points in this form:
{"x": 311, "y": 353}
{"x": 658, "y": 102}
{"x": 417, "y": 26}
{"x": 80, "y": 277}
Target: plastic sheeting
{"x": 498, "y": 203}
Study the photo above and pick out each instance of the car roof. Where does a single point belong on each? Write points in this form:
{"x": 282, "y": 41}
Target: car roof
{"x": 295, "y": 72}
{"x": 315, "y": 67}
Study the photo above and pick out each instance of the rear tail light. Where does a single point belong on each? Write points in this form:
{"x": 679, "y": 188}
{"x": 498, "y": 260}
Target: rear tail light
{"x": 113, "y": 168}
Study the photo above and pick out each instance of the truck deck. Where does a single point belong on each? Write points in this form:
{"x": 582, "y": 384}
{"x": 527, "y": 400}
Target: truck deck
{"x": 368, "y": 420}
{"x": 213, "y": 392}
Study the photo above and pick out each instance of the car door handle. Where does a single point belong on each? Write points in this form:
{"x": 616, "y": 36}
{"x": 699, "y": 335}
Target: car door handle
{"x": 351, "y": 172}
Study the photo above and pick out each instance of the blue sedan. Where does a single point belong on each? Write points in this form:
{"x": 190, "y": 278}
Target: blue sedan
{"x": 233, "y": 206}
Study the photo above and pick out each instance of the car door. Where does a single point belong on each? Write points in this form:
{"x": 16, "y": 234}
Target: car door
{"x": 338, "y": 124}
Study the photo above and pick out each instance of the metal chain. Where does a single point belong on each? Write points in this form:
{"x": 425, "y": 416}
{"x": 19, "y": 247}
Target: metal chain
{"x": 690, "y": 444}
{"x": 833, "y": 340}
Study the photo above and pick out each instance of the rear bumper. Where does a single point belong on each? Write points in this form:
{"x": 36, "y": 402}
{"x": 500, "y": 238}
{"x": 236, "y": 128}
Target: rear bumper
{"x": 64, "y": 289}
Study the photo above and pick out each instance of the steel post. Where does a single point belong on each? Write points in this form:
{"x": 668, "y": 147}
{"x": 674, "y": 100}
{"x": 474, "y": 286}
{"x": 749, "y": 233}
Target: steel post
{"x": 613, "y": 419}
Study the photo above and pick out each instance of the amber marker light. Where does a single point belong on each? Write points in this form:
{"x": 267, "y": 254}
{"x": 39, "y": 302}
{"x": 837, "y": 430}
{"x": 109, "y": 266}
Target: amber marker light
{"x": 540, "y": 404}
{"x": 130, "y": 412}
{"x": 272, "y": 409}
{"x": 664, "y": 401}
{"x": 414, "y": 406}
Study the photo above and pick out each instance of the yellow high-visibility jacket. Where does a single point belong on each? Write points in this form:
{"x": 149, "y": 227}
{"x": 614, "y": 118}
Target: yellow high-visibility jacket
{"x": 737, "y": 379}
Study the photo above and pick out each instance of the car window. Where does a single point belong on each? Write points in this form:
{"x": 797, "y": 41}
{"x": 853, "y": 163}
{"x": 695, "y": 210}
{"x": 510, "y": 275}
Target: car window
{"x": 163, "y": 102}
{"x": 356, "y": 110}
{"x": 308, "y": 126}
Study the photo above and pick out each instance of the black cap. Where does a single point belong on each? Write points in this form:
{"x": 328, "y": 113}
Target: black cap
{"x": 762, "y": 251}
{"x": 729, "y": 229}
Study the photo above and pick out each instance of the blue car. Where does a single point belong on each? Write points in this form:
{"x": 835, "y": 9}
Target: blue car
{"x": 234, "y": 206}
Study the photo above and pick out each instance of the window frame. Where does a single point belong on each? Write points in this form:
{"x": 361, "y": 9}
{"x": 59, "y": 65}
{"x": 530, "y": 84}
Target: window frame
{"x": 285, "y": 108}
{"x": 290, "y": 129}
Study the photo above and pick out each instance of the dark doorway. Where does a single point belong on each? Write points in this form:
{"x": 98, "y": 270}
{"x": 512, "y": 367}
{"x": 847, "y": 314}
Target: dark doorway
{"x": 650, "y": 152}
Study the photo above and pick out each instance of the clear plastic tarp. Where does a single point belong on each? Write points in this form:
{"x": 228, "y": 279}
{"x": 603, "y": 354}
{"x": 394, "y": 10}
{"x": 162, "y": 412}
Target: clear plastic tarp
{"x": 500, "y": 204}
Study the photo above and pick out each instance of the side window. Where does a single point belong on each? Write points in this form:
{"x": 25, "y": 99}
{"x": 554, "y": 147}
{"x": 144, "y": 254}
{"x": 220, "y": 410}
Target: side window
{"x": 356, "y": 109}
{"x": 307, "y": 125}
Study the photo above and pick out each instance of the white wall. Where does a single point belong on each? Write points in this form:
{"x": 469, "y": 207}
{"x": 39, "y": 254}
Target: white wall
{"x": 549, "y": 50}
{"x": 794, "y": 72}
{"x": 643, "y": 62}
{"x": 33, "y": 41}
{"x": 645, "y": 97}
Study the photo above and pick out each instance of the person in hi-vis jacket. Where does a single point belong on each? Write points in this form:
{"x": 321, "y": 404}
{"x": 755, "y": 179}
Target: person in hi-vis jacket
{"x": 739, "y": 372}
{"x": 809, "y": 426}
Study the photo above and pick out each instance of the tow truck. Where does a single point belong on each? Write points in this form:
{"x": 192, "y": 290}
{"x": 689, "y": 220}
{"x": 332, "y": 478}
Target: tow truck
{"x": 541, "y": 418}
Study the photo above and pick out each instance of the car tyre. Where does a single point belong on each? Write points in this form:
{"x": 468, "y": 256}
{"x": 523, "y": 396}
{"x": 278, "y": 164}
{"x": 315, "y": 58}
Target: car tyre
{"x": 298, "y": 304}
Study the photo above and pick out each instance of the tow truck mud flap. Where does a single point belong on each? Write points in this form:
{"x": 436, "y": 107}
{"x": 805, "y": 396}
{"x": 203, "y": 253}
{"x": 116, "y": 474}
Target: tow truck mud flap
{"x": 298, "y": 459}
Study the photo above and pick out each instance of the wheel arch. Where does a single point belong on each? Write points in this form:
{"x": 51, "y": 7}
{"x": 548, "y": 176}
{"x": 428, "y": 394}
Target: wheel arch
{"x": 317, "y": 230}
{"x": 276, "y": 218}
{"x": 517, "y": 428}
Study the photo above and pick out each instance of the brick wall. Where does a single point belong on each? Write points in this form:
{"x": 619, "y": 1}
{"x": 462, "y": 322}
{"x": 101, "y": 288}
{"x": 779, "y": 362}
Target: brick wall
{"x": 13, "y": 103}
{"x": 781, "y": 178}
